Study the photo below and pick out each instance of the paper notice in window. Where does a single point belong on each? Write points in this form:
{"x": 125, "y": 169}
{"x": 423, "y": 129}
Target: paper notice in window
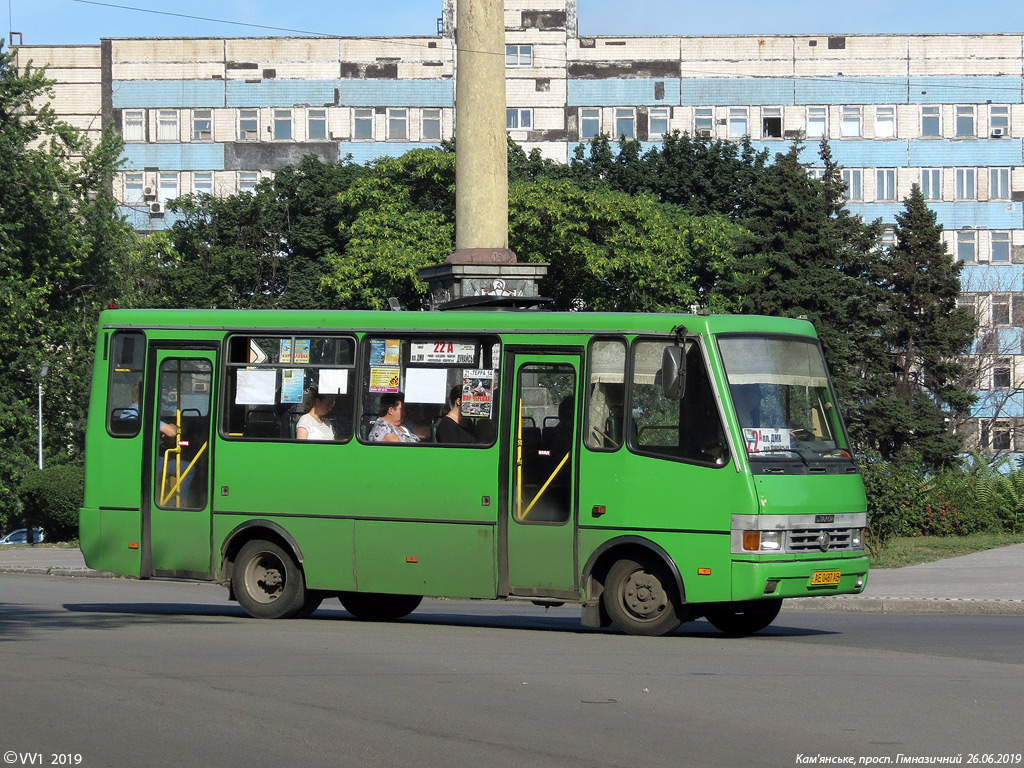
{"x": 256, "y": 388}
{"x": 767, "y": 440}
{"x": 426, "y": 385}
{"x": 333, "y": 381}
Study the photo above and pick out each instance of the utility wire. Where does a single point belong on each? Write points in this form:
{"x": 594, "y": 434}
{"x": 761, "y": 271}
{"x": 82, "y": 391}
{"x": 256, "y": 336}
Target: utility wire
{"x": 866, "y": 80}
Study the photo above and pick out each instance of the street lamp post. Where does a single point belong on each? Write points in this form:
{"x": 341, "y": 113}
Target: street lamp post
{"x": 42, "y": 375}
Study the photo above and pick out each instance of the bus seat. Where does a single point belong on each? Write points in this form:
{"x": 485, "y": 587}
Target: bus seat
{"x": 262, "y": 424}
{"x": 365, "y": 423}
{"x": 613, "y": 431}
{"x": 550, "y": 429}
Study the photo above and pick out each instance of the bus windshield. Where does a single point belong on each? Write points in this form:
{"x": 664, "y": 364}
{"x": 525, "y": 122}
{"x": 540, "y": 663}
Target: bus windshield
{"x": 783, "y": 398}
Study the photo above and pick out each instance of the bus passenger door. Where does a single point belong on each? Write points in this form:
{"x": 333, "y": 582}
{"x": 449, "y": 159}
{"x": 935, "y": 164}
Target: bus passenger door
{"x": 540, "y": 522}
{"x": 177, "y": 522}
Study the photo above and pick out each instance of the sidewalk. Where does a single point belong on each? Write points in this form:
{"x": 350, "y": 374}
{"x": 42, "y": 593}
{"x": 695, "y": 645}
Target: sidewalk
{"x": 983, "y": 583}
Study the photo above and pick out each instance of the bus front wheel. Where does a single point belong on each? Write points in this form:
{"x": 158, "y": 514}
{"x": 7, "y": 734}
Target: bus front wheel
{"x": 641, "y": 598}
{"x": 743, "y": 618}
{"x": 377, "y": 607}
{"x": 268, "y": 583}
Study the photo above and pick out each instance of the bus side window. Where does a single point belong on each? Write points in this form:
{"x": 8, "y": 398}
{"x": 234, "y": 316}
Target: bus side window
{"x": 124, "y": 384}
{"x": 605, "y": 391}
{"x": 689, "y": 429}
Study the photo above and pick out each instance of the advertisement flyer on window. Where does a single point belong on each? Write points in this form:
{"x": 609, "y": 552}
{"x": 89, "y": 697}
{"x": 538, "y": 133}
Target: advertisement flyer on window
{"x": 384, "y": 379}
{"x": 477, "y": 392}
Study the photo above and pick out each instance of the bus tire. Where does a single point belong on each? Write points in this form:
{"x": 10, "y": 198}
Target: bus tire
{"x": 267, "y": 581}
{"x": 743, "y": 618}
{"x": 641, "y": 597}
{"x": 370, "y": 606}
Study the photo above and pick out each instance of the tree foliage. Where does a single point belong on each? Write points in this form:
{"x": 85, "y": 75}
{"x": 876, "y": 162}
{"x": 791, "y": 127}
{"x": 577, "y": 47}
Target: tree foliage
{"x": 62, "y": 248}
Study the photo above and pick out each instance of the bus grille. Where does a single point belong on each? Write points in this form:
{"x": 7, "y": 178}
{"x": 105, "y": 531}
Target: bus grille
{"x": 810, "y": 539}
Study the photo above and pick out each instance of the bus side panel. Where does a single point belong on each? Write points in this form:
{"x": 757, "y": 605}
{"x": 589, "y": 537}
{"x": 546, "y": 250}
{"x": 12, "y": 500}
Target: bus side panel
{"x": 105, "y": 536}
{"x": 686, "y": 509}
{"x": 439, "y": 559}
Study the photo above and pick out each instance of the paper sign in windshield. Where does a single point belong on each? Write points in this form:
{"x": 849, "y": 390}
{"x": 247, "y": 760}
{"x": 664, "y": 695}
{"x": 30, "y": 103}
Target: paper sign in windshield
{"x": 767, "y": 440}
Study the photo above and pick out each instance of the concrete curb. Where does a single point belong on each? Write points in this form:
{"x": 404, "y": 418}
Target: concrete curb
{"x": 923, "y": 606}
{"x": 920, "y": 606}
{"x": 54, "y": 570}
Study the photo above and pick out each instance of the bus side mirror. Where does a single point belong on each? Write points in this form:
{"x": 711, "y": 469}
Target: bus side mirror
{"x": 673, "y": 373}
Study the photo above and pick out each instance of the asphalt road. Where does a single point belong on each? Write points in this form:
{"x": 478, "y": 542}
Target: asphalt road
{"x": 135, "y": 673}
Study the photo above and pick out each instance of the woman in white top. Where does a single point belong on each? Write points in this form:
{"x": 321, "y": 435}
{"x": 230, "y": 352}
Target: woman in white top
{"x": 311, "y": 425}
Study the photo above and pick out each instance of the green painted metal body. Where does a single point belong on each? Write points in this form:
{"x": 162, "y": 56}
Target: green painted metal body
{"x": 437, "y": 521}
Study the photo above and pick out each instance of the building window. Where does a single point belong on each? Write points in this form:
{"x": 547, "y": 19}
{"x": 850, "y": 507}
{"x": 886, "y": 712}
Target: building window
{"x": 362, "y": 123}
{"x": 771, "y": 122}
{"x": 931, "y": 183}
{"x": 738, "y": 122}
{"x": 851, "y": 122}
{"x": 133, "y": 188}
{"x": 1001, "y": 247}
{"x": 968, "y": 303}
{"x": 966, "y": 189}
{"x": 625, "y": 122}
{"x": 1000, "y": 309}
{"x": 398, "y": 125}
{"x": 590, "y": 122}
{"x": 999, "y": 121}
{"x": 134, "y": 125}
{"x": 431, "y": 125}
{"x": 852, "y": 179}
{"x": 518, "y": 119}
{"x": 518, "y": 55}
{"x": 885, "y": 184}
{"x": 202, "y": 125}
{"x": 1001, "y": 376}
{"x": 817, "y": 122}
{"x": 202, "y": 182}
{"x": 996, "y": 435}
{"x": 885, "y": 122}
{"x": 247, "y": 181}
{"x": 316, "y": 124}
{"x": 167, "y": 125}
{"x": 999, "y": 183}
{"x": 888, "y": 239}
{"x": 816, "y": 173}
{"x": 965, "y": 121}
{"x": 248, "y": 125}
{"x": 168, "y": 186}
{"x": 657, "y": 123}
{"x": 966, "y": 247}
{"x": 282, "y": 125}
{"x": 704, "y": 122}
{"x": 931, "y": 121}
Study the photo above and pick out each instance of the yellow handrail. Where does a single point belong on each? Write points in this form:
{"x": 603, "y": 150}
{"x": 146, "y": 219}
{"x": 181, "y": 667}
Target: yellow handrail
{"x": 544, "y": 487}
{"x": 176, "y": 488}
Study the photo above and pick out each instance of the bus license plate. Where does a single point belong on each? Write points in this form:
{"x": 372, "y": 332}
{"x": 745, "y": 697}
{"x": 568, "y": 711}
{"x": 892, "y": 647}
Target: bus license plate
{"x": 825, "y": 578}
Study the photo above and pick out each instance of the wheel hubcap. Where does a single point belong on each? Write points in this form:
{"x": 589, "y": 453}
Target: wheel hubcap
{"x": 264, "y": 578}
{"x": 643, "y": 595}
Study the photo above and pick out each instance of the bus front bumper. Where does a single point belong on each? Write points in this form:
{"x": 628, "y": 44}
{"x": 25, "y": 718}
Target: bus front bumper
{"x": 757, "y": 579}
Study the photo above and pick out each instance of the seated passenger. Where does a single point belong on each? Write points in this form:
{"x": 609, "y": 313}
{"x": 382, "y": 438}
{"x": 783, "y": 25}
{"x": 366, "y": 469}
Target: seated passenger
{"x": 388, "y": 428}
{"x": 449, "y": 428}
{"x": 311, "y": 425}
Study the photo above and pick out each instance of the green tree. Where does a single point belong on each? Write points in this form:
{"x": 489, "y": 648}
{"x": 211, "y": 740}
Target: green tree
{"x": 610, "y": 251}
{"x": 268, "y": 249}
{"x": 924, "y": 333}
{"x": 62, "y": 248}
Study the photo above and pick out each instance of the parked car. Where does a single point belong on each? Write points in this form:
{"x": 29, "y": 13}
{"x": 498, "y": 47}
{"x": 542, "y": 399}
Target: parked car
{"x": 20, "y": 536}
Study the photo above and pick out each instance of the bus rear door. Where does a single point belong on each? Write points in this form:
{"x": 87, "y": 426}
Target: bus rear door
{"x": 540, "y": 522}
{"x": 176, "y": 520}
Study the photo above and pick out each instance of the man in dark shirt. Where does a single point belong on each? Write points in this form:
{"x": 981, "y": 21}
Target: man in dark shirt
{"x": 450, "y": 428}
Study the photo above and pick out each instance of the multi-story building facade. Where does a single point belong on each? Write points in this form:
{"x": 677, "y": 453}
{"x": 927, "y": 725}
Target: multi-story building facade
{"x": 945, "y": 112}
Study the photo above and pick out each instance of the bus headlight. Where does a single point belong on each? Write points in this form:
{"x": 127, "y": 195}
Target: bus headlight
{"x": 857, "y": 538}
{"x": 762, "y": 541}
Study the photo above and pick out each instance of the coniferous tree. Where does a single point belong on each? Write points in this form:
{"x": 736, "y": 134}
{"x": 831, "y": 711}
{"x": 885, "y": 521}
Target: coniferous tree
{"x": 924, "y": 334}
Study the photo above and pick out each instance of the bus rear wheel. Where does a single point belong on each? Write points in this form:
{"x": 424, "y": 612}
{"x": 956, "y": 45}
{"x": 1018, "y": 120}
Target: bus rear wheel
{"x": 268, "y": 583}
{"x": 641, "y": 598}
{"x": 743, "y": 618}
{"x": 370, "y": 606}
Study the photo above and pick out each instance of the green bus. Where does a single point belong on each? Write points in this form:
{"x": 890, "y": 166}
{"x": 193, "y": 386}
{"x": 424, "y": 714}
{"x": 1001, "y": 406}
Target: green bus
{"x": 654, "y": 469}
